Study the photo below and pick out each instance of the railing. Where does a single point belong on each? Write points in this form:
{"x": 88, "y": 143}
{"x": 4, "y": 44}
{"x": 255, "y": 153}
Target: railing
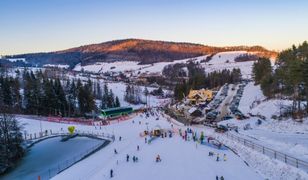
{"x": 51, "y": 172}
{"x": 48, "y": 174}
{"x": 49, "y": 133}
{"x": 301, "y": 164}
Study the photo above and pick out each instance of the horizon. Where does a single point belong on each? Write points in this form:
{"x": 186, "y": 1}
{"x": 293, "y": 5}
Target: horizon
{"x": 35, "y": 26}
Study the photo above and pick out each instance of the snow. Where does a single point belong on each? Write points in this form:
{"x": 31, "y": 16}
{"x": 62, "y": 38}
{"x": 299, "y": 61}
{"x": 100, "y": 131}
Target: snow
{"x": 286, "y": 136}
{"x": 16, "y": 59}
{"x": 225, "y": 60}
{"x": 220, "y": 61}
{"x": 180, "y": 159}
{"x": 131, "y": 66}
{"x": 251, "y": 94}
{"x": 63, "y": 66}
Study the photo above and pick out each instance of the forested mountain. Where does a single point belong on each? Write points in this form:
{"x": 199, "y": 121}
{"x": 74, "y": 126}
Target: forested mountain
{"x": 143, "y": 51}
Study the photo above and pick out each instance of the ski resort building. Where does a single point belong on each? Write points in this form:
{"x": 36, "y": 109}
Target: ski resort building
{"x": 199, "y": 96}
{"x": 115, "y": 112}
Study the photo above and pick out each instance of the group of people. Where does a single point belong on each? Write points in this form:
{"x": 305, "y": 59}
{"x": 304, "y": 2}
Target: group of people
{"x": 217, "y": 156}
{"x": 221, "y": 178}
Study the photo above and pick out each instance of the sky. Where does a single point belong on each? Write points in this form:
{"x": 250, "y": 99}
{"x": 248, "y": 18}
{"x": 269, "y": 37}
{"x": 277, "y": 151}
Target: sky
{"x": 48, "y": 25}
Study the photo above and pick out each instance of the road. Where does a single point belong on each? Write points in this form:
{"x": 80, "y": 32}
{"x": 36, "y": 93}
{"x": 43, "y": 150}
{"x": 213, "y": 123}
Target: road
{"x": 224, "y": 106}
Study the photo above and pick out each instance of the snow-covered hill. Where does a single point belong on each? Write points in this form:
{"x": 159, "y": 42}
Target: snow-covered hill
{"x": 220, "y": 61}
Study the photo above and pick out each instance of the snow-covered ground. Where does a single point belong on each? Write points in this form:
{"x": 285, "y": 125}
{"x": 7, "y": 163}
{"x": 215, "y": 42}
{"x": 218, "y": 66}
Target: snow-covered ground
{"x": 180, "y": 159}
{"x": 63, "y": 66}
{"x": 132, "y": 66}
{"x": 220, "y": 61}
{"x": 286, "y": 136}
{"x": 225, "y": 60}
{"x": 251, "y": 94}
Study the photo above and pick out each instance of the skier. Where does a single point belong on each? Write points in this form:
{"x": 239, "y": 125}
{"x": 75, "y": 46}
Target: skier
{"x": 134, "y": 159}
{"x": 217, "y": 159}
{"x": 158, "y": 158}
{"x": 137, "y": 147}
{"x": 111, "y": 173}
{"x": 225, "y": 157}
{"x": 145, "y": 140}
{"x": 120, "y": 138}
{"x": 217, "y": 178}
{"x": 222, "y": 178}
{"x": 127, "y": 158}
{"x": 115, "y": 151}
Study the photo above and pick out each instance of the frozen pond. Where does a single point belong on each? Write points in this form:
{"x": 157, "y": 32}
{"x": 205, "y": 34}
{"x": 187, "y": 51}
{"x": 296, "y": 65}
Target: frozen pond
{"x": 48, "y": 154}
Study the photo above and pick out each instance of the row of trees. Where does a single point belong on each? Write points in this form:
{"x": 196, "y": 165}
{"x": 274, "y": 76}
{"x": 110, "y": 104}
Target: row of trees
{"x": 10, "y": 142}
{"x": 34, "y": 93}
{"x": 289, "y": 79}
{"x": 133, "y": 94}
{"x": 199, "y": 79}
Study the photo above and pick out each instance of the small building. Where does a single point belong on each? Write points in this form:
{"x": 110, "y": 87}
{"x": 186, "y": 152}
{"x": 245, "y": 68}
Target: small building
{"x": 200, "y": 96}
{"x": 115, "y": 112}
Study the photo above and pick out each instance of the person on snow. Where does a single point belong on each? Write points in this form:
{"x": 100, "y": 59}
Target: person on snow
{"x": 127, "y": 158}
{"x": 111, "y": 173}
{"x": 134, "y": 159}
{"x": 225, "y": 157}
{"x": 217, "y": 178}
{"x": 120, "y": 138}
{"x": 217, "y": 159}
{"x": 211, "y": 153}
{"x": 145, "y": 140}
{"x": 137, "y": 147}
{"x": 158, "y": 158}
{"x": 222, "y": 178}
{"x": 115, "y": 151}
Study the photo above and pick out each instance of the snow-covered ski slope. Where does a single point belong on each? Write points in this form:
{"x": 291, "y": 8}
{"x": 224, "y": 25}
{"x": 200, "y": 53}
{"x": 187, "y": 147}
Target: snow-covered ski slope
{"x": 220, "y": 61}
{"x": 180, "y": 159}
{"x": 132, "y": 66}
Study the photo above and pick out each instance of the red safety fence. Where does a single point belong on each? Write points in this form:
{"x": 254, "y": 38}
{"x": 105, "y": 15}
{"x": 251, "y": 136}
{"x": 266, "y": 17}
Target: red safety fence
{"x": 66, "y": 120}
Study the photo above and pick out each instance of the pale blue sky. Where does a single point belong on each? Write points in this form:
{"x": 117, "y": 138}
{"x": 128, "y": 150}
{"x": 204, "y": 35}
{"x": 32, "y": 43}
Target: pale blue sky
{"x": 48, "y": 25}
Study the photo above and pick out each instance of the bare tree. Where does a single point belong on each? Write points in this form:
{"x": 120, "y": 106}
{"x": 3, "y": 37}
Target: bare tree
{"x": 10, "y": 142}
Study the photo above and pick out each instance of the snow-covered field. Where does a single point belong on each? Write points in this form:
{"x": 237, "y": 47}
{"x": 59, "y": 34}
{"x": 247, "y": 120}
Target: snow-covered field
{"x": 285, "y": 136}
{"x": 225, "y": 60}
{"x": 180, "y": 159}
{"x": 220, "y": 61}
{"x": 132, "y": 66}
{"x": 63, "y": 66}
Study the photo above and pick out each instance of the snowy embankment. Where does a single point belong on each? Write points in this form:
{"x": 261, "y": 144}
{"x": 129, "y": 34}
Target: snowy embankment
{"x": 286, "y": 136}
{"x": 220, "y": 61}
{"x": 268, "y": 167}
{"x": 226, "y": 60}
{"x": 180, "y": 159}
{"x": 132, "y": 66}
{"x": 61, "y": 66}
